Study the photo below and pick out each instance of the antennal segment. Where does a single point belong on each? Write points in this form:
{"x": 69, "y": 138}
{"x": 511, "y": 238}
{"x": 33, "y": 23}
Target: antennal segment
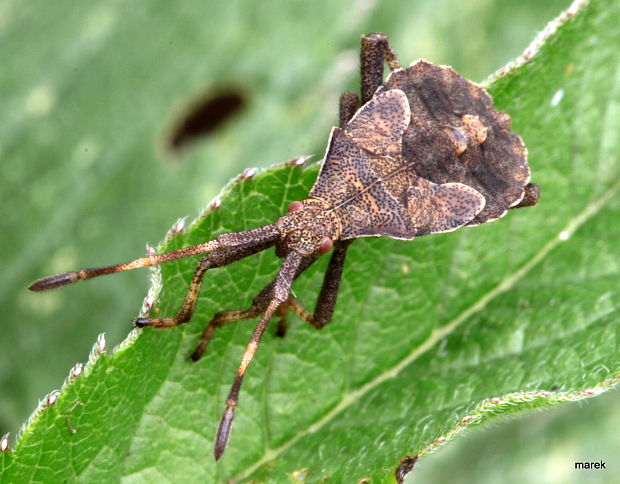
{"x": 225, "y": 241}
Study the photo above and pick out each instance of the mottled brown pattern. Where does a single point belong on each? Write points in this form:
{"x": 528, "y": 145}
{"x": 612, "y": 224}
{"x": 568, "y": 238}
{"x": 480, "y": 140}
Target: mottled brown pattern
{"x": 532, "y": 194}
{"x": 445, "y": 108}
{"x": 374, "y": 191}
{"x": 426, "y": 153}
{"x": 304, "y": 229}
{"x": 375, "y": 52}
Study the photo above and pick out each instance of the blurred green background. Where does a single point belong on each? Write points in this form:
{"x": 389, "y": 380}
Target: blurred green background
{"x": 89, "y": 95}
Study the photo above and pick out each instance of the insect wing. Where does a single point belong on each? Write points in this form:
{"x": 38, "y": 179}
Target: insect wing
{"x": 379, "y": 125}
{"x": 457, "y": 136}
{"x": 375, "y": 191}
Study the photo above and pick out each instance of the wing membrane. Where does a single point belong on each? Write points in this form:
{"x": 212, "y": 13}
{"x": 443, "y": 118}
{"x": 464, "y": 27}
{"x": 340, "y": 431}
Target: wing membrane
{"x": 375, "y": 191}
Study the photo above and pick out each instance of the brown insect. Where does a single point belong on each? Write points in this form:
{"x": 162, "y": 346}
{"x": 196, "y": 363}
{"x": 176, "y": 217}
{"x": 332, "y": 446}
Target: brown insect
{"x": 425, "y": 153}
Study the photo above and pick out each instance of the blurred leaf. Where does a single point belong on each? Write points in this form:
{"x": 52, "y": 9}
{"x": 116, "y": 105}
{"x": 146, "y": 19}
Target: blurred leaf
{"x": 91, "y": 90}
{"x": 536, "y": 447}
{"x": 425, "y": 333}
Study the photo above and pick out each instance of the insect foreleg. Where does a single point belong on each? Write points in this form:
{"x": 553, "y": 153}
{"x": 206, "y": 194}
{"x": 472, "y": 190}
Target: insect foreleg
{"x": 211, "y": 261}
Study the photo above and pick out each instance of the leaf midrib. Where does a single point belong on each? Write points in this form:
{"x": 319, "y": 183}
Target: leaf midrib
{"x": 438, "y": 334}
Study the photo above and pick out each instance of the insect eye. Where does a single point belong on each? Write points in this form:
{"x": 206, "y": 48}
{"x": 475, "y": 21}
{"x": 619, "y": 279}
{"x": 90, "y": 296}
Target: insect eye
{"x": 326, "y": 245}
{"x": 294, "y": 206}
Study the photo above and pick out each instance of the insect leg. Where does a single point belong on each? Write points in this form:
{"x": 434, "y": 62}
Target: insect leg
{"x": 281, "y": 288}
{"x": 326, "y": 302}
{"x": 212, "y": 260}
{"x": 349, "y": 104}
{"x": 375, "y": 51}
{"x": 532, "y": 194}
{"x": 259, "y": 306}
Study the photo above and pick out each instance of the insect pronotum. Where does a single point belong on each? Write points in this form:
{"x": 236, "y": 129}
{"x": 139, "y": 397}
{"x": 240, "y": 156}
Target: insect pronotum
{"x": 425, "y": 153}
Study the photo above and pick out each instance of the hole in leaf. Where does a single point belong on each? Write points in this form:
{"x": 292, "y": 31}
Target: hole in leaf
{"x": 204, "y": 117}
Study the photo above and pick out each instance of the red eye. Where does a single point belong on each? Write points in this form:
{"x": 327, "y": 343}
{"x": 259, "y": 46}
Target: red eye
{"x": 294, "y": 206}
{"x": 326, "y": 245}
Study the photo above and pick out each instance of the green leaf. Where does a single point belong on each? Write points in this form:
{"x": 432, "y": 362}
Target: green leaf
{"x": 429, "y": 337}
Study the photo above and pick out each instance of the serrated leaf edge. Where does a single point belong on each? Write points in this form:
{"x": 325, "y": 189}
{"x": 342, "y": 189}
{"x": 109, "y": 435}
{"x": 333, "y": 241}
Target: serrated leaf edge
{"x": 99, "y": 347}
{"x": 488, "y": 407}
{"x": 532, "y": 49}
{"x": 250, "y": 173}
{"x": 443, "y": 332}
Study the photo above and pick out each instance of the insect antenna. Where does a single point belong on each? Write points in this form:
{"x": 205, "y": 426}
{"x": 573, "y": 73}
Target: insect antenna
{"x": 247, "y": 238}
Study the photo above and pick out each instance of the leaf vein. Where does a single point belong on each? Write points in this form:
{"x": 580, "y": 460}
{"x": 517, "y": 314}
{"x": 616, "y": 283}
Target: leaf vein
{"x": 439, "y": 333}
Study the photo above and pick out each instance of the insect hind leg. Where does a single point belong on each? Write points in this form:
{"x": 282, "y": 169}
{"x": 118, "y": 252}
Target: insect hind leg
{"x": 375, "y": 52}
{"x": 221, "y": 319}
{"x": 531, "y": 196}
{"x": 259, "y": 305}
{"x": 326, "y": 301}
{"x": 349, "y": 104}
